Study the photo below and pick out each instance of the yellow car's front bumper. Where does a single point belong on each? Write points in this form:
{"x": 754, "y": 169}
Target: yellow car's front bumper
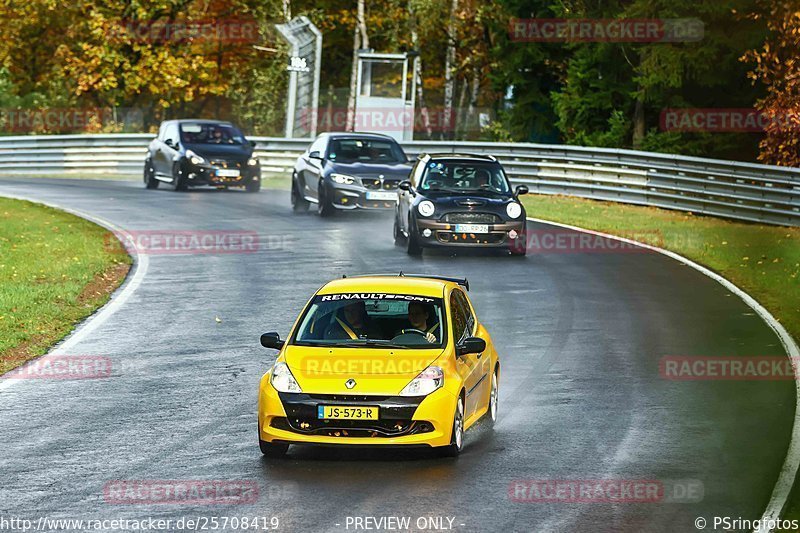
{"x": 292, "y": 419}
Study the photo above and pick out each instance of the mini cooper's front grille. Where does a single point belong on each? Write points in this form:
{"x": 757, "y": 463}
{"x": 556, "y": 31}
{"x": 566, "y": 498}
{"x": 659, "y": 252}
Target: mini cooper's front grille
{"x": 352, "y": 428}
{"x": 222, "y": 163}
{"x": 380, "y": 184}
{"x": 472, "y": 218}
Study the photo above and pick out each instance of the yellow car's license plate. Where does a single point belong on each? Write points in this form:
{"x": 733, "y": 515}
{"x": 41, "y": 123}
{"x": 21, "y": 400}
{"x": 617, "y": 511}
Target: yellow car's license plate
{"x": 344, "y": 412}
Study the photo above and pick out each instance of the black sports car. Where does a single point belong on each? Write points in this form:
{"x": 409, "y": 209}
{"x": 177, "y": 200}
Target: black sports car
{"x": 349, "y": 171}
{"x": 190, "y": 153}
{"x": 459, "y": 200}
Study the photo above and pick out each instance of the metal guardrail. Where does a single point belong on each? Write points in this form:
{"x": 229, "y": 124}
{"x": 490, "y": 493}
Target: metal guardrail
{"x": 743, "y": 191}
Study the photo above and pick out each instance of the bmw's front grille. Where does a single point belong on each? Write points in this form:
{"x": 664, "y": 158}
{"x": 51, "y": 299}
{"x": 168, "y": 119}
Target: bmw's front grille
{"x": 378, "y": 184}
{"x": 471, "y": 218}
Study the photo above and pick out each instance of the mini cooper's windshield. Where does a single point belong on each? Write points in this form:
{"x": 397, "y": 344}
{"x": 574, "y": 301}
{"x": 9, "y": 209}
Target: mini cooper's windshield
{"x": 372, "y": 320}
{"x": 468, "y": 176}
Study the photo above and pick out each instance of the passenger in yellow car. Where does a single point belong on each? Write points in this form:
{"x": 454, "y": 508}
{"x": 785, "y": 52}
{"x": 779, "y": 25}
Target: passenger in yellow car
{"x": 418, "y": 317}
{"x": 354, "y": 324}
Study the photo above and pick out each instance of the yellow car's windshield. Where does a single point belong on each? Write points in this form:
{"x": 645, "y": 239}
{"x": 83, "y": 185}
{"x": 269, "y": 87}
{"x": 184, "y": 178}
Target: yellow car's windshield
{"x": 372, "y": 320}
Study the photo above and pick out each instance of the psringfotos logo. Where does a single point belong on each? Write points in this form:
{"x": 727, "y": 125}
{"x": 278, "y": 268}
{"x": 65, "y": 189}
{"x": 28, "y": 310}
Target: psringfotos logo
{"x": 65, "y": 367}
{"x": 727, "y": 368}
{"x": 606, "y": 491}
{"x": 177, "y": 492}
{"x": 192, "y": 242}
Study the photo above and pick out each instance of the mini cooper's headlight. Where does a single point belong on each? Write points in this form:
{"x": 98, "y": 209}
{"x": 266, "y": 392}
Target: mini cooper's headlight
{"x": 253, "y": 161}
{"x": 514, "y": 210}
{"x": 344, "y": 179}
{"x": 194, "y": 158}
{"x": 283, "y": 380}
{"x": 426, "y": 382}
{"x": 426, "y": 208}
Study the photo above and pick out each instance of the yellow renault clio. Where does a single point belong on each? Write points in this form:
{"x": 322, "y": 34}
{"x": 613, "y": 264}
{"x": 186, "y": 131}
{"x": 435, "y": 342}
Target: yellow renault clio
{"x": 397, "y": 360}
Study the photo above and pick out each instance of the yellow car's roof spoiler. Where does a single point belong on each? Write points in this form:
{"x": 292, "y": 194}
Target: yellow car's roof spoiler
{"x": 464, "y": 282}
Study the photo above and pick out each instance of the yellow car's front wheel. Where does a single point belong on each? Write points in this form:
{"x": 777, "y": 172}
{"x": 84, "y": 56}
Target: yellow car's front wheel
{"x": 272, "y": 449}
{"x": 457, "y": 438}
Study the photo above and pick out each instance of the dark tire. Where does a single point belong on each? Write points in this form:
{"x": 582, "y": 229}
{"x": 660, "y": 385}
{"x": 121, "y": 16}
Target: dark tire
{"x": 398, "y": 235}
{"x": 150, "y": 181}
{"x": 178, "y": 180}
{"x": 271, "y": 450}
{"x": 493, "y": 398}
{"x": 519, "y": 250}
{"x": 299, "y": 204}
{"x": 254, "y": 185}
{"x": 457, "y": 435}
{"x": 412, "y": 243}
{"x": 324, "y": 205}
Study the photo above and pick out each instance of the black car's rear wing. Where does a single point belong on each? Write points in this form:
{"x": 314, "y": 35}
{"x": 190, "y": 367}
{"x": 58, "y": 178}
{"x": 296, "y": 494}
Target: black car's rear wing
{"x": 464, "y": 282}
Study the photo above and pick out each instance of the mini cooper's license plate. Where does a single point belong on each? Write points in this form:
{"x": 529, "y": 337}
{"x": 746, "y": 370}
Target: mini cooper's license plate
{"x": 344, "y": 412}
{"x": 472, "y": 228}
{"x": 382, "y": 195}
{"x": 227, "y": 173}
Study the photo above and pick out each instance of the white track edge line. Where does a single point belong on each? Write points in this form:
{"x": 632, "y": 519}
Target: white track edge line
{"x": 117, "y": 299}
{"x": 783, "y": 487}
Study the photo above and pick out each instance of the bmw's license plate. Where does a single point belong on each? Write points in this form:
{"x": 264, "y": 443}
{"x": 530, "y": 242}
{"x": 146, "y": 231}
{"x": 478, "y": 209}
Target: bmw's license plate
{"x": 472, "y": 228}
{"x": 227, "y": 173}
{"x": 382, "y": 195}
{"x": 344, "y": 412}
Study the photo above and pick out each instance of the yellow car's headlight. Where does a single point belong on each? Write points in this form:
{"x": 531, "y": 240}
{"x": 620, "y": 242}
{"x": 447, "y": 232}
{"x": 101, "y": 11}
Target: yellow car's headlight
{"x": 283, "y": 380}
{"x": 426, "y": 382}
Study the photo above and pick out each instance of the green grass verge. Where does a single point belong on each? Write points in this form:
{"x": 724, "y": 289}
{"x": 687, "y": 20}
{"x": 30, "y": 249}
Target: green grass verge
{"x": 762, "y": 260}
{"x": 56, "y": 269}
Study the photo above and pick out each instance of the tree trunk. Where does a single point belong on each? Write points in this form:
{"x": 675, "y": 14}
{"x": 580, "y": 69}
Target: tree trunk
{"x": 449, "y": 67}
{"x": 471, "y": 119}
{"x": 287, "y": 10}
{"x": 360, "y": 40}
{"x": 638, "y": 122}
{"x": 423, "y": 109}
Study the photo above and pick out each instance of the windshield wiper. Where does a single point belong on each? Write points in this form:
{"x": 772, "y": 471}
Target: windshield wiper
{"x": 369, "y": 343}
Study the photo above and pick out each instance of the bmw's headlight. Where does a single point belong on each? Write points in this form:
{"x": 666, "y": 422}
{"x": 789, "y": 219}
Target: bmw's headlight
{"x": 194, "y": 158}
{"x": 514, "y": 210}
{"x": 426, "y": 382}
{"x": 426, "y": 208}
{"x": 344, "y": 179}
{"x": 283, "y": 380}
{"x": 253, "y": 161}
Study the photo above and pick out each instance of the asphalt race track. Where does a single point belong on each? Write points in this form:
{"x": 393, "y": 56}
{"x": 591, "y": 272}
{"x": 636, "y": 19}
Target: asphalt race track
{"x": 581, "y": 397}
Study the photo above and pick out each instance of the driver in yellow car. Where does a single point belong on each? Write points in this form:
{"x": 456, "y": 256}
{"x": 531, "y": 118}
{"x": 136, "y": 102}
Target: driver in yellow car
{"x": 418, "y": 316}
{"x": 355, "y": 324}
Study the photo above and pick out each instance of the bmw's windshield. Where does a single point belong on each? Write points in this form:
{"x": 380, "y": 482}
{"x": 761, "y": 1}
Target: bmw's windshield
{"x": 373, "y": 151}
{"x": 464, "y": 177}
{"x": 210, "y": 133}
{"x": 372, "y": 321}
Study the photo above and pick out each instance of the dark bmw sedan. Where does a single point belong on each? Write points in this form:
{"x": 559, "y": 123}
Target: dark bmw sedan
{"x": 459, "y": 200}
{"x": 342, "y": 171}
{"x": 192, "y": 153}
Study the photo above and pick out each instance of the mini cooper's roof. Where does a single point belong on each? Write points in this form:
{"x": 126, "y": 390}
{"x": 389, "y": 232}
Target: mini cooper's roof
{"x": 414, "y": 284}
{"x": 469, "y": 157}
{"x": 356, "y": 135}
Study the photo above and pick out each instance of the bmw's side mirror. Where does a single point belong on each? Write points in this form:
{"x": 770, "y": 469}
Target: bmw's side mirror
{"x": 272, "y": 340}
{"x": 520, "y": 190}
{"x": 253, "y": 144}
{"x": 471, "y": 345}
{"x": 315, "y": 155}
{"x": 404, "y": 185}
{"x": 169, "y": 143}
